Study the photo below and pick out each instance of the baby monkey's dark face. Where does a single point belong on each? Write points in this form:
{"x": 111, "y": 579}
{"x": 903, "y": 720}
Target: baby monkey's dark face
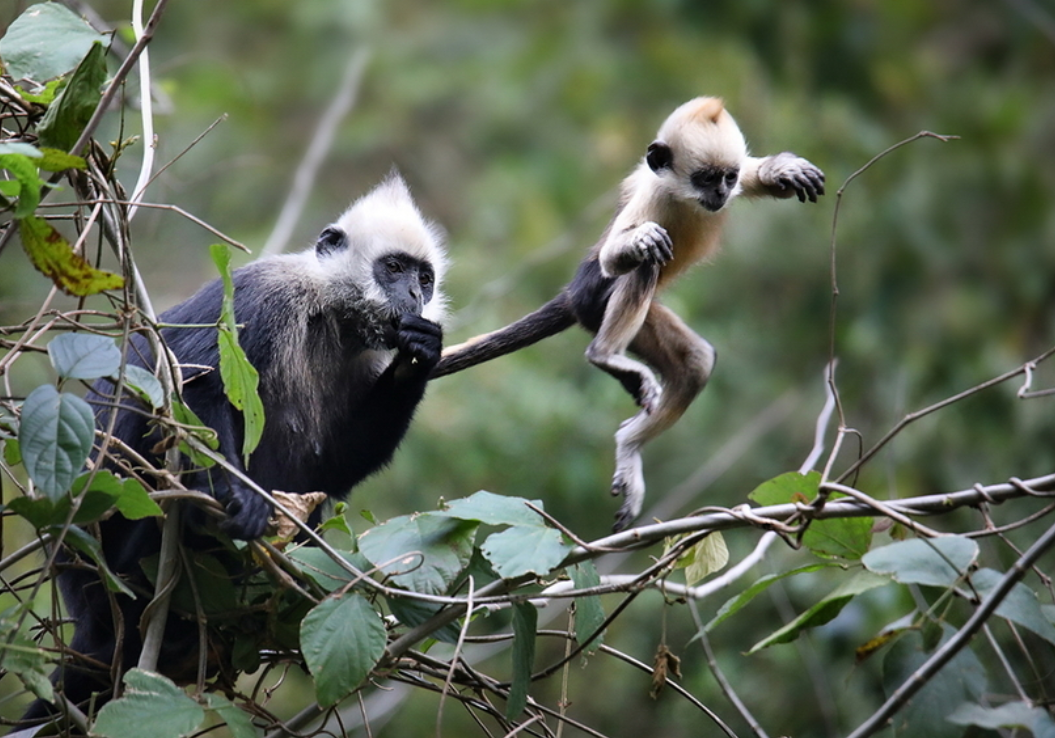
{"x": 714, "y": 184}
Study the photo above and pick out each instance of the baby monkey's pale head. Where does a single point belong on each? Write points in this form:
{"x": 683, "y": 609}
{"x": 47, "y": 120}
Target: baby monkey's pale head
{"x": 698, "y": 153}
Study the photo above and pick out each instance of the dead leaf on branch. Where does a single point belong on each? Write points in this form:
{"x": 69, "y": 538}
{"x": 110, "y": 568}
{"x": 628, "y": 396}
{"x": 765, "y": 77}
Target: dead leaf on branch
{"x": 301, "y": 506}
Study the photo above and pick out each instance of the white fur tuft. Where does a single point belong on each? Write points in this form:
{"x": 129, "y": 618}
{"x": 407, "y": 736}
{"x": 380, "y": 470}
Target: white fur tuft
{"x": 382, "y": 221}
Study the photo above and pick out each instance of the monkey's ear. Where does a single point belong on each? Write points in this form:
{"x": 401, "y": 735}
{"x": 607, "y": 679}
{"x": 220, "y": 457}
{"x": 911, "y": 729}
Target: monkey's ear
{"x": 659, "y": 156}
{"x": 330, "y": 240}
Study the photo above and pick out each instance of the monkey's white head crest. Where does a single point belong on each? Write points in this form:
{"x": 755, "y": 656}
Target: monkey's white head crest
{"x": 386, "y": 220}
{"x": 704, "y": 130}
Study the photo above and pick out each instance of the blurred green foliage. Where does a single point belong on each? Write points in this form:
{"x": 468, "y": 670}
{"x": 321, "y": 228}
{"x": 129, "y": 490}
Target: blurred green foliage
{"x": 515, "y": 121}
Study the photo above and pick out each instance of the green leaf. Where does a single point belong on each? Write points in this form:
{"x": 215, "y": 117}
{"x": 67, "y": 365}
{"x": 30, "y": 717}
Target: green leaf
{"x": 56, "y": 160}
{"x": 825, "y": 610}
{"x": 589, "y": 614}
{"x": 934, "y": 562}
{"x": 735, "y": 604}
{"x": 424, "y": 553}
{"x": 413, "y": 612}
{"x": 135, "y": 502}
{"x": 241, "y": 381}
{"x": 12, "y": 452}
{"x": 46, "y": 41}
{"x": 491, "y": 509}
{"x": 1009, "y": 715}
{"x": 320, "y": 567}
{"x": 961, "y": 680}
{"x": 839, "y": 538}
{"x": 22, "y": 656}
{"x": 152, "y": 707}
{"x": 341, "y": 639}
{"x": 55, "y": 437}
{"x": 84, "y": 355}
{"x": 127, "y": 495}
{"x": 183, "y": 414}
{"x": 26, "y": 183}
{"x": 1021, "y": 605}
{"x": 245, "y": 654}
{"x": 787, "y": 488}
{"x": 844, "y": 538}
{"x": 8, "y": 188}
{"x": 52, "y": 256}
{"x": 525, "y": 622}
{"x": 522, "y": 550}
{"x": 44, "y": 513}
{"x": 66, "y": 118}
{"x": 337, "y": 521}
{"x": 46, "y": 96}
{"x": 237, "y": 720}
{"x": 146, "y": 385}
{"x": 221, "y": 257}
{"x": 84, "y": 543}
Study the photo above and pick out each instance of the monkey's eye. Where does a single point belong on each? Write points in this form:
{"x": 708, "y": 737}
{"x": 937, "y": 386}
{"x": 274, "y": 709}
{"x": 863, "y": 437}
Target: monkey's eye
{"x": 394, "y": 266}
{"x": 730, "y": 178}
{"x": 425, "y": 279}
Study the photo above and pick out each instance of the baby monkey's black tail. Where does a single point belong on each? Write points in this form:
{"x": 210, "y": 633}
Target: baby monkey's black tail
{"x": 550, "y": 319}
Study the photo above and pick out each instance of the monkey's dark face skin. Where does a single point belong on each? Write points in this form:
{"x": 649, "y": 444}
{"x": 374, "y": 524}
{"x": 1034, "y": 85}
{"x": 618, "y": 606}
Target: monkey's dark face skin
{"x": 714, "y": 185}
{"x": 408, "y": 283}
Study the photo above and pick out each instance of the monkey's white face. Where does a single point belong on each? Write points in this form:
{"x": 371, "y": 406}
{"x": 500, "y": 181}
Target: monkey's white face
{"x": 699, "y": 153}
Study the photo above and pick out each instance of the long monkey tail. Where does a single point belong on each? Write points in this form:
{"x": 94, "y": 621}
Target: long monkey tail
{"x": 550, "y": 319}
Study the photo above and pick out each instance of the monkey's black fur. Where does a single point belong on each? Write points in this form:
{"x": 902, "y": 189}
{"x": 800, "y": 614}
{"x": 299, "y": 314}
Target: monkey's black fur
{"x": 341, "y": 373}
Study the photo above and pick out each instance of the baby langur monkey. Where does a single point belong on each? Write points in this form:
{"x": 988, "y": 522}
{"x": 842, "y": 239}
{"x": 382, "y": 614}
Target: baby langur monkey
{"x": 670, "y": 215}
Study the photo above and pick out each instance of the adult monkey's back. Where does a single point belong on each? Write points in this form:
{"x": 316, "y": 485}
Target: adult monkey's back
{"x": 670, "y": 216}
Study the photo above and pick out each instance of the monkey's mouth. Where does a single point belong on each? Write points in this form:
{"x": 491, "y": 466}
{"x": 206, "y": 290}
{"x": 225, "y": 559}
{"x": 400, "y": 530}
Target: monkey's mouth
{"x": 712, "y": 204}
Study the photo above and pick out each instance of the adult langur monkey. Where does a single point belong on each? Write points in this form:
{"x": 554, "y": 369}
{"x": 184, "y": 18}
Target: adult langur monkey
{"x": 344, "y": 336}
{"x": 670, "y": 215}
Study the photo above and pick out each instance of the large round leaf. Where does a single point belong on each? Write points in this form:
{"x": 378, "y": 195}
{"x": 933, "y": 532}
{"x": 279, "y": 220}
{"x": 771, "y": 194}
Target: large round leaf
{"x": 153, "y": 707}
{"x": 341, "y": 639}
{"x": 55, "y": 436}
{"x": 46, "y": 41}
{"x": 84, "y": 356}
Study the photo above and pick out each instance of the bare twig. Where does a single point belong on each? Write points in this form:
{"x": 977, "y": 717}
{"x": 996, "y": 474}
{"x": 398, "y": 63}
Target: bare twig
{"x": 834, "y": 280}
{"x": 723, "y": 683}
{"x": 454, "y": 658}
{"x": 156, "y": 614}
{"x": 122, "y": 72}
{"x": 914, "y": 416}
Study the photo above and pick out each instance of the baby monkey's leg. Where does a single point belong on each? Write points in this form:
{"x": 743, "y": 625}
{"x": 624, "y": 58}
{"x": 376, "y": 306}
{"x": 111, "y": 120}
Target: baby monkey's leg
{"x": 626, "y": 313}
{"x": 684, "y": 360}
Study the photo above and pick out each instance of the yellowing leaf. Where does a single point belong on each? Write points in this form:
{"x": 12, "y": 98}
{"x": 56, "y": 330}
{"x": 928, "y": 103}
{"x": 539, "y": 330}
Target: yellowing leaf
{"x": 52, "y": 256}
{"x": 709, "y": 555}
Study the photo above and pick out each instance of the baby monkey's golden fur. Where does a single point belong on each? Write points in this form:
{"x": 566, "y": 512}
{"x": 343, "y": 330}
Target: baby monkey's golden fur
{"x": 670, "y": 216}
